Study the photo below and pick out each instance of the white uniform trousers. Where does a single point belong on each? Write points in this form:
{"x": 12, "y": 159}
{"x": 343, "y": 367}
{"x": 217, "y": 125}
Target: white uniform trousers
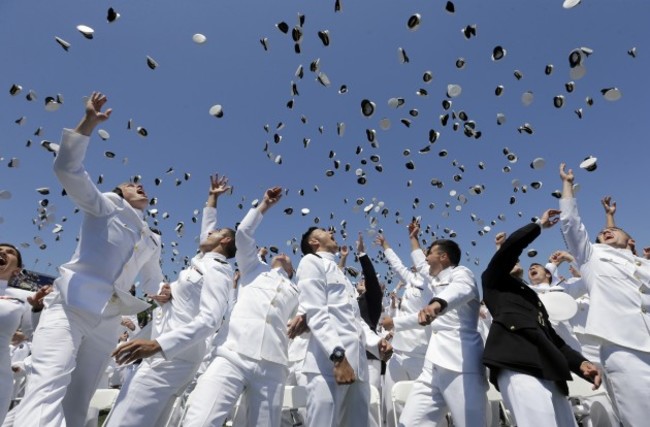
{"x": 333, "y": 405}
{"x": 533, "y": 401}
{"x": 259, "y": 382}
{"x": 70, "y": 352}
{"x": 400, "y": 367}
{"x": 628, "y": 380}
{"x": 147, "y": 398}
{"x": 438, "y": 391}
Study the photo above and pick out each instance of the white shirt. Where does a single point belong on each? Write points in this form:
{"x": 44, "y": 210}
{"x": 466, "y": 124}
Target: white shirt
{"x": 618, "y": 283}
{"x": 266, "y": 300}
{"x": 115, "y": 243}
{"x": 416, "y": 296}
{"x": 330, "y": 303}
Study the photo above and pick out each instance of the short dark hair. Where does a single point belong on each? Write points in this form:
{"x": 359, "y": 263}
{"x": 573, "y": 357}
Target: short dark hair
{"x": 305, "y": 247}
{"x": 450, "y": 248}
{"x": 19, "y": 256}
{"x": 231, "y": 249}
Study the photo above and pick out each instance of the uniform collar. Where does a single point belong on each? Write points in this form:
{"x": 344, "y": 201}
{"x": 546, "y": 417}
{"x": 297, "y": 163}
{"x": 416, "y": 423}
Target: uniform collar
{"x": 281, "y": 272}
{"x": 443, "y": 274}
{"x": 217, "y": 256}
{"x": 327, "y": 255}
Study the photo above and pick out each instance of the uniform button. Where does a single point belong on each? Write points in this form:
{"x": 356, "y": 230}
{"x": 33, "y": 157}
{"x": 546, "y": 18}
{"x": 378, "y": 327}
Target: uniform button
{"x": 642, "y": 290}
{"x": 523, "y": 287}
{"x": 638, "y": 263}
{"x": 512, "y": 328}
{"x": 644, "y": 310}
{"x": 268, "y": 320}
{"x": 539, "y": 303}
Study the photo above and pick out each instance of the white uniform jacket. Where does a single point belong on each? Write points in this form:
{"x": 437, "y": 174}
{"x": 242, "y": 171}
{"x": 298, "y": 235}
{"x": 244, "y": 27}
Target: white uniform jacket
{"x": 330, "y": 303}
{"x": 115, "y": 243}
{"x": 213, "y": 305}
{"x": 28, "y": 319}
{"x": 618, "y": 283}
{"x": 455, "y": 343}
{"x": 186, "y": 295}
{"x": 266, "y": 300}
{"x": 416, "y": 296}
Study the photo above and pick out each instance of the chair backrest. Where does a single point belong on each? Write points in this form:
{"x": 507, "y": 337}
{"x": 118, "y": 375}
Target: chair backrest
{"x": 104, "y": 398}
{"x": 400, "y": 391}
{"x": 582, "y": 388}
{"x": 493, "y": 394}
{"x": 375, "y": 402}
{"x": 295, "y": 396}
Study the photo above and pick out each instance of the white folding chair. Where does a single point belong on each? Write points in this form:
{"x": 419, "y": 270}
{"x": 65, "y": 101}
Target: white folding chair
{"x": 399, "y": 394}
{"x": 495, "y": 400}
{"x": 102, "y": 400}
{"x": 375, "y": 403}
{"x": 295, "y": 398}
{"x": 579, "y": 389}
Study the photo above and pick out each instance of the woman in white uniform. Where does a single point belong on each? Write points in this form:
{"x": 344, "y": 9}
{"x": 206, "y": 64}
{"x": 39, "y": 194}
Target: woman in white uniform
{"x": 11, "y": 310}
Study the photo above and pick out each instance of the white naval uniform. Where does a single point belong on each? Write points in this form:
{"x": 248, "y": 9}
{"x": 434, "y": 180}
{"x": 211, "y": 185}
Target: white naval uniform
{"x": 330, "y": 303}
{"x": 147, "y": 398}
{"x": 453, "y": 377}
{"x": 11, "y": 311}
{"x": 252, "y": 353}
{"x": 618, "y": 283}
{"x": 409, "y": 345}
{"x": 75, "y": 336}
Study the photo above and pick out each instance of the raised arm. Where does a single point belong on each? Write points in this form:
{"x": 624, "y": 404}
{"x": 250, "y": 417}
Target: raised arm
{"x": 218, "y": 186}
{"x": 68, "y": 164}
{"x": 610, "y": 211}
{"x": 373, "y": 294}
{"x": 507, "y": 255}
{"x": 246, "y": 256}
{"x": 344, "y": 251}
{"x": 404, "y": 273}
{"x": 574, "y": 231}
{"x": 417, "y": 256}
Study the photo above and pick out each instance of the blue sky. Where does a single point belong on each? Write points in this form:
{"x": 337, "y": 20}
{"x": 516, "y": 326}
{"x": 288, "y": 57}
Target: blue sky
{"x": 254, "y": 86}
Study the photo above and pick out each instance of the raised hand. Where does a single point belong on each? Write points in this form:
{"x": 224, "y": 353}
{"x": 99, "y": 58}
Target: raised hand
{"x": 550, "y": 218}
{"x": 360, "y": 245}
{"x": 608, "y": 205}
{"x": 500, "y": 238}
{"x": 558, "y": 257}
{"x": 271, "y": 197}
{"x": 93, "y": 114}
{"x": 566, "y": 176}
{"x": 218, "y": 185}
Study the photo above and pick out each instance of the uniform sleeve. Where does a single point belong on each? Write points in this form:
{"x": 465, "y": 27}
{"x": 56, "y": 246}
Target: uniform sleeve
{"x": 406, "y": 322}
{"x": 462, "y": 288}
{"x": 217, "y": 282}
{"x": 373, "y": 294}
{"x": 574, "y": 231}
{"x": 507, "y": 255}
{"x": 420, "y": 262}
{"x": 151, "y": 276}
{"x": 70, "y": 171}
{"x": 247, "y": 259}
{"x": 208, "y": 222}
{"x": 403, "y": 272}
{"x": 312, "y": 284}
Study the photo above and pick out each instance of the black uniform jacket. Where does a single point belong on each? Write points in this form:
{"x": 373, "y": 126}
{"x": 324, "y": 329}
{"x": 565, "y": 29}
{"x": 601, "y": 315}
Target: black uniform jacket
{"x": 521, "y": 337}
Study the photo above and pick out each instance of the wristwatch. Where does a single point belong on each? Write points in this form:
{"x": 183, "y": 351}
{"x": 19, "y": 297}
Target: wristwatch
{"x": 337, "y": 355}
